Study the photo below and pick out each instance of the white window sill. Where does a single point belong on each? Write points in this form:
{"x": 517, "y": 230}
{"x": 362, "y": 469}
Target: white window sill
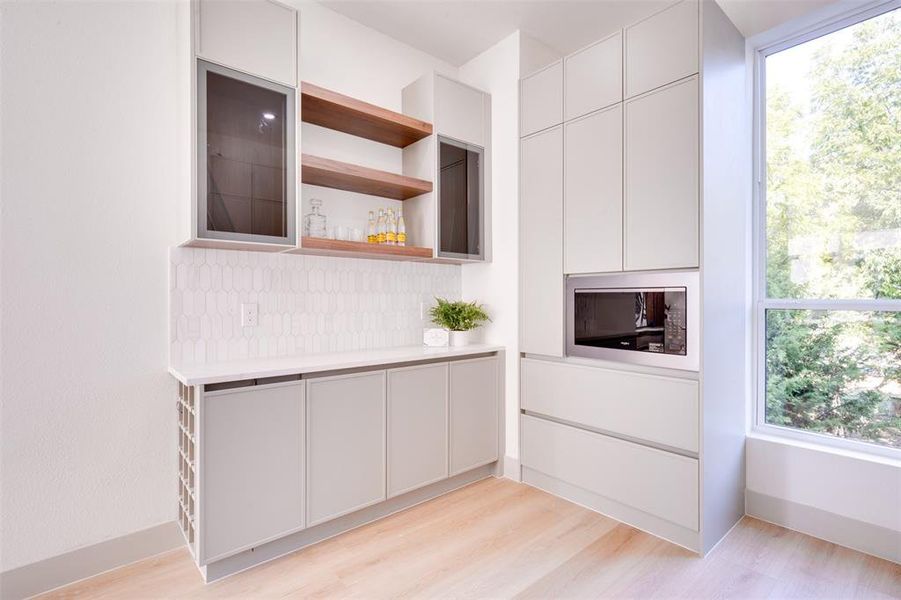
{"x": 880, "y": 455}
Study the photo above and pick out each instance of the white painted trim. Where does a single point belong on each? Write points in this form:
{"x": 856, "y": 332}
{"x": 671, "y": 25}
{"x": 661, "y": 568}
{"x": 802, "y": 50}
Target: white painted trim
{"x": 512, "y": 468}
{"x": 851, "y": 533}
{"x": 88, "y": 561}
{"x": 799, "y": 31}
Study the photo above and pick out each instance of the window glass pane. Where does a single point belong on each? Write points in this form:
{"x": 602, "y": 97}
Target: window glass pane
{"x": 835, "y": 372}
{"x": 833, "y": 160}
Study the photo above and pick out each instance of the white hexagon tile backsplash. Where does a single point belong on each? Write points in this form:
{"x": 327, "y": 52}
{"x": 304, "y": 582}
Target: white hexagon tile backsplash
{"x": 307, "y": 304}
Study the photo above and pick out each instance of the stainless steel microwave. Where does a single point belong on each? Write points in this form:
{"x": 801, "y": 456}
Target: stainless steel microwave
{"x": 641, "y": 318}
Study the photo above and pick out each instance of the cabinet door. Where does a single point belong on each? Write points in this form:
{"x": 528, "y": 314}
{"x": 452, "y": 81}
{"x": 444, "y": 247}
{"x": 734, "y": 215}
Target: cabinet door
{"x": 473, "y": 413}
{"x": 661, "y": 206}
{"x": 460, "y": 111}
{"x": 594, "y": 77}
{"x": 541, "y": 243}
{"x": 345, "y": 444}
{"x": 593, "y": 197}
{"x": 663, "y": 48}
{"x": 541, "y": 100}
{"x": 251, "y": 467}
{"x": 258, "y": 37}
{"x": 417, "y": 427}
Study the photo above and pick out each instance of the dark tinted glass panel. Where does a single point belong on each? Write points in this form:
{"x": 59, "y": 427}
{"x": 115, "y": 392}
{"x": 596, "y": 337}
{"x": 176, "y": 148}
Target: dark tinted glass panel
{"x": 640, "y": 320}
{"x": 246, "y": 157}
{"x": 460, "y": 200}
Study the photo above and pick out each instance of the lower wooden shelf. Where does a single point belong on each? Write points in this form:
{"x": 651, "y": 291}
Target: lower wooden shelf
{"x": 313, "y": 245}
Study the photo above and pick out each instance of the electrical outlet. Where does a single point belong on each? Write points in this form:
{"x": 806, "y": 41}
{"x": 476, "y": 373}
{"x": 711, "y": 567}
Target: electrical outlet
{"x": 250, "y": 315}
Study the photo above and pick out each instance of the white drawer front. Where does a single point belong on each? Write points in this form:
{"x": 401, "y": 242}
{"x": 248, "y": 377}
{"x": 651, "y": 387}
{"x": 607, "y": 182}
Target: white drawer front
{"x": 660, "y": 410}
{"x": 653, "y": 481}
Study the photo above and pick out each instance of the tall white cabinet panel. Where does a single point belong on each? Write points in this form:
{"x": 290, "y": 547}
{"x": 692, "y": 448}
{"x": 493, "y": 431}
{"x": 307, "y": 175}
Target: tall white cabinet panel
{"x": 541, "y": 100}
{"x": 594, "y": 77}
{"x": 253, "y": 458}
{"x": 593, "y": 193}
{"x": 473, "y": 413}
{"x": 663, "y": 48}
{"x": 460, "y": 111}
{"x": 662, "y": 171}
{"x": 255, "y": 36}
{"x": 417, "y": 427}
{"x": 541, "y": 243}
{"x": 345, "y": 444}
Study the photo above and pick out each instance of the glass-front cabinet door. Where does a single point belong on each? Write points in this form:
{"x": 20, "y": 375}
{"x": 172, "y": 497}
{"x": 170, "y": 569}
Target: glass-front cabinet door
{"x": 461, "y": 206}
{"x": 246, "y": 157}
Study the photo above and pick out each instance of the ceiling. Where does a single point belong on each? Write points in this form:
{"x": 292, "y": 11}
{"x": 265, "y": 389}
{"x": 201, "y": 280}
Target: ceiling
{"x": 458, "y": 30}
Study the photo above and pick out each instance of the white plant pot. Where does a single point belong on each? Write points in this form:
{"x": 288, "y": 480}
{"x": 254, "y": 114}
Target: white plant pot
{"x": 459, "y": 338}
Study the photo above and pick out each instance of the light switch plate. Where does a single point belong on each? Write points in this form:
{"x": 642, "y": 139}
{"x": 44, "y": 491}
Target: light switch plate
{"x": 250, "y": 315}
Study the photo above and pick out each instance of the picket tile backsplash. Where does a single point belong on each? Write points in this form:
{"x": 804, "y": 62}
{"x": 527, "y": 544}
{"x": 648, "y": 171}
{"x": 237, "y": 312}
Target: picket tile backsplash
{"x": 307, "y": 304}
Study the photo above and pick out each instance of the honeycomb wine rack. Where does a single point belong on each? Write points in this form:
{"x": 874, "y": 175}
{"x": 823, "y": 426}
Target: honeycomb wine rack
{"x": 187, "y": 465}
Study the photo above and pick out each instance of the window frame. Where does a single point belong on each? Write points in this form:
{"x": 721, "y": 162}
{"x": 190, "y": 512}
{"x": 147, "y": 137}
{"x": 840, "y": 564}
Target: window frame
{"x": 799, "y": 35}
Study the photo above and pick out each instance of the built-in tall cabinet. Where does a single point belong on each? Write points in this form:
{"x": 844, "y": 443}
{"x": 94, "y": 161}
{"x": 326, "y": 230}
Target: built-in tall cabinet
{"x": 627, "y": 147}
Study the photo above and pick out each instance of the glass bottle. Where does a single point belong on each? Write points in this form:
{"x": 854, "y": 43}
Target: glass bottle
{"x": 314, "y": 222}
{"x": 391, "y": 233}
{"x": 401, "y": 228}
{"x": 381, "y": 229}
{"x": 373, "y": 236}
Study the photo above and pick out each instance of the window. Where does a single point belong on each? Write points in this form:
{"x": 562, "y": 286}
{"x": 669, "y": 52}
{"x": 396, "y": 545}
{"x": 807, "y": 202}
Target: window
{"x": 829, "y": 223}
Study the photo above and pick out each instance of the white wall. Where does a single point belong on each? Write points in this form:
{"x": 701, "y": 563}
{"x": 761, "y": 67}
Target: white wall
{"x": 91, "y": 189}
{"x": 89, "y": 192}
{"x": 496, "y": 284}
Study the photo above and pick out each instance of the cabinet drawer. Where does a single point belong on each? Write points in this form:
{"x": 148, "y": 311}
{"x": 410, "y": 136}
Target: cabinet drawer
{"x": 594, "y": 77}
{"x": 663, "y": 48}
{"x": 653, "y": 481}
{"x": 661, "y": 410}
{"x": 541, "y": 100}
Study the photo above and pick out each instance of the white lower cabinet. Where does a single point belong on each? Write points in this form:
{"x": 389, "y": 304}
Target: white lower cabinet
{"x": 652, "y": 408}
{"x": 417, "y": 427}
{"x": 473, "y": 413}
{"x": 661, "y": 484}
{"x": 252, "y": 471}
{"x": 345, "y": 444}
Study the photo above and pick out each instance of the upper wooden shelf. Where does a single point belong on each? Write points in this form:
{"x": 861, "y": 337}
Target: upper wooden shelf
{"x": 326, "y": 172}
{"x": 336, "y": 111}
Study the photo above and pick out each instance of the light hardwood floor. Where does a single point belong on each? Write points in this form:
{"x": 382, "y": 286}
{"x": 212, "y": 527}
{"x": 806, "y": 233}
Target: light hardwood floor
{"x": 500, "y": 539}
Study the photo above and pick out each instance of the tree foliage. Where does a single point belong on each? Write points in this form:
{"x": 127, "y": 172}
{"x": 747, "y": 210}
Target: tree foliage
{"x": 834, "y": 231}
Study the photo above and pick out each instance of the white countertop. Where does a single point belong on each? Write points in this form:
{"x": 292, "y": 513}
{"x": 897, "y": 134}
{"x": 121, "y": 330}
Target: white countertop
{"x": 257, "y": 368}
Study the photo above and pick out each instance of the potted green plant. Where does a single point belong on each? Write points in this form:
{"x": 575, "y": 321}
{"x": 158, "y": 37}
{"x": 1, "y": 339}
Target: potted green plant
{"x": 459, "y": 318}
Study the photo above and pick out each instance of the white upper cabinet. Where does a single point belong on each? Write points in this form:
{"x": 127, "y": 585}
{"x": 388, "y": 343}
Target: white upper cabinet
{"x": 661, "y": 186}
{"x": 258, "y": 37}
{"x": 541, "y": 243}
{"x": 593, "y": 198}
{"x": 662, "y": 48}
{"x": 461, "y": 111}
{"x": 594, "y": 77}
{"x": 541, "y": 100}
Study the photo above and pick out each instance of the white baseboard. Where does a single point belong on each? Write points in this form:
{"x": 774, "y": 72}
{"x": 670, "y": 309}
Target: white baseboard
{"x": 512, "y": 468}
{"x": 844, "y": 531}
{"x": 57, "y": 571}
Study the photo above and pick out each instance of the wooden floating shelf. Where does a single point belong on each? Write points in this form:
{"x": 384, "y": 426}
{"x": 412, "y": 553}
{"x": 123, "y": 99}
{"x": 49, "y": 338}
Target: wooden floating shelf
{"x": 354, "y": 178}
{"x": 336, "y": 111}
{"x": 315, "y": 245}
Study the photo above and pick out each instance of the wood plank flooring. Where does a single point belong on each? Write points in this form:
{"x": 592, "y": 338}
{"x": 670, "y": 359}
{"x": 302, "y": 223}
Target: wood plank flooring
{"x": 500, "y": 539}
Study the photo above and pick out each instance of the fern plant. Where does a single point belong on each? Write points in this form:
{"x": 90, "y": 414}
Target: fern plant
{"x": 457, "y": 316}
